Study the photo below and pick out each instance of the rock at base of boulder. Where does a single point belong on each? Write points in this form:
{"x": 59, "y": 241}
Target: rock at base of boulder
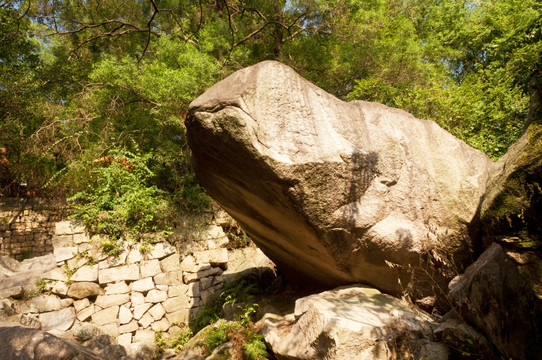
{"x": 495, "y": 295}
{"x": 351, "y": 323}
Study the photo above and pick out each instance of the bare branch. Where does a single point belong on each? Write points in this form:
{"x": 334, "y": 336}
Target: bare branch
{"x": 149, "y": 24}
{"x": 26, "y": 12}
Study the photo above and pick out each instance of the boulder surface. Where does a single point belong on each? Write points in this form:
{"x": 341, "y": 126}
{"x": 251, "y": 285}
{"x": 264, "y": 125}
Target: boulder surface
{"x": 334, "y": 192}
{"x": 497, "y": 295}
{"x": 352, "y": 323}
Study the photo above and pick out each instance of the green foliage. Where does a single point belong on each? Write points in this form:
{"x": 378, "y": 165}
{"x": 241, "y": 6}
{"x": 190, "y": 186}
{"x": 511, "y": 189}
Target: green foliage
{"x": 177, "y": 343}
{"x": 235, "y": 292}
{"x": 241, "y": 290}
{"x": 180, "y": 341}
{"x": 218, "y": 336}
{"x": 111, "y": 246}
{"x": 119, "y": 197}
{"x": 102, "y": 85}
{"x": 246, "y": 342}
{"x": 255, "y": 348}
{"x": 208, "y": 314}
{"x": 69, "y": 273}
{"x": 42, "y": 286}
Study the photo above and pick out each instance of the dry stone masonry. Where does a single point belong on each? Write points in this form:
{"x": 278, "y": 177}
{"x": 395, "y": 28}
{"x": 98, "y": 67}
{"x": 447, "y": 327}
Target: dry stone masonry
{"x": 129, "y": 296}
{"x": 27, "y": 226}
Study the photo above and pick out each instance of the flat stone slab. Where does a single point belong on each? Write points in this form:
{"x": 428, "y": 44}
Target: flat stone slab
{"x": 69, "y": 227}
{"x": 65, "y": 253}
{"x": 358, "y": 322}
{"x": 58, "y": 320}
{"x": 119, "y": 273}
{"x": 86, "y": 273}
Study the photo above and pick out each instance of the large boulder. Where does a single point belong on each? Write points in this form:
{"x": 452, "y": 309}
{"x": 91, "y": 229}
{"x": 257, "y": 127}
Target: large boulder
{"x": 334, "y": 192}
{"x": 352, "y": 323}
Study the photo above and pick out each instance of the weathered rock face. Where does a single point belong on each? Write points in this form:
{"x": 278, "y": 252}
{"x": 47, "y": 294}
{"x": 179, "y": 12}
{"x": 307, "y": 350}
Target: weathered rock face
{"x": 496, "y": 296}
{"x": 352, "y": 323}
{"x": 501, "y": 292}
{"x": 24, "y": 343}
{"x": 331, "y": 191}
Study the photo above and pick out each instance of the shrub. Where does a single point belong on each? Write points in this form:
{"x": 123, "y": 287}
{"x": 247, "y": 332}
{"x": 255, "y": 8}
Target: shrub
{"x": 119, "y": 197}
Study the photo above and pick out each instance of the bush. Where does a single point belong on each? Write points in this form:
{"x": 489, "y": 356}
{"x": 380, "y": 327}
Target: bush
{"x": 119, "y": 197}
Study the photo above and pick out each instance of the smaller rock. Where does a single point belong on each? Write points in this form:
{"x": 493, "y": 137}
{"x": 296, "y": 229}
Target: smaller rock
{"x": 214, "y": 257}
{"x": 117, "y": 288}
{"x": 86, "y": 273}
{"x": 146, "y": 320}
{"x": 142, "y": 285}
{"x": 137, "y": 298}
{"x": 105, "y": 316}
{"x": 84, "y": 332}
{"x": 125, "y": 315}
{"x": 80, "y": 290}
{"x": 189, "y": 264}
{"x": 170, "y": 263}
{"x": 58, "y": 320}
{"x": 161, "y": 250}
{"x": 29, "y": 320}
{"x": 178, "y": 317}
{"x": 69, "y": 227}
{"x": 81, "y": 304}
{"x": 180, "y": 290}
{"x": 139, "y": 310}
{"x": 129, "y": 328}
{"x": 55, "y": 274}
{"x": 40, "y": 303}
{"x": 150, "y": 268}
{"x": 170, "y": 278}
{"x": 157, "y": 312}
{"x": 62, "y": 240}
{"x": 114, "y": 261}
{"x": 175, "y": 304}
{"x": 161, "y": 325}
{"x": 155, "y": 296}
{"x": 105, "y": 301}
{"x": 81, "y": 238}
{"x": 110, "y": 329}
{"x": 66, "y": 302}
{"x": 116, "y": 274}
{"x": 59, "y": 288}
{"x": 125, "y": 339}
{"x": 12, "y": 292}
{"x": 64, "y": 253}
{"x": 134, "y": 256}
{"x": 144, "y": 336}
{"x": 86, "y": 313}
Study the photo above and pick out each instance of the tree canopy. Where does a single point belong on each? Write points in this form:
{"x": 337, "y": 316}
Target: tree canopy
{"x": 82, "y": 80}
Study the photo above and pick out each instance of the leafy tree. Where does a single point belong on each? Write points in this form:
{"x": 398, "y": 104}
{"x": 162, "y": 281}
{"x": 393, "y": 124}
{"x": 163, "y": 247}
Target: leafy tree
{"x": 80, "y": 79}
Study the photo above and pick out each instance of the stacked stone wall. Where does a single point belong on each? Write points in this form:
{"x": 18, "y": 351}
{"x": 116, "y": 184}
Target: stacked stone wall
{"x": 27, "y": 226}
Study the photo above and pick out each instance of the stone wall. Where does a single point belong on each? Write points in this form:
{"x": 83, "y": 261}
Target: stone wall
{"x": 27, "y": 226}
{"x": 129, "y": 296}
